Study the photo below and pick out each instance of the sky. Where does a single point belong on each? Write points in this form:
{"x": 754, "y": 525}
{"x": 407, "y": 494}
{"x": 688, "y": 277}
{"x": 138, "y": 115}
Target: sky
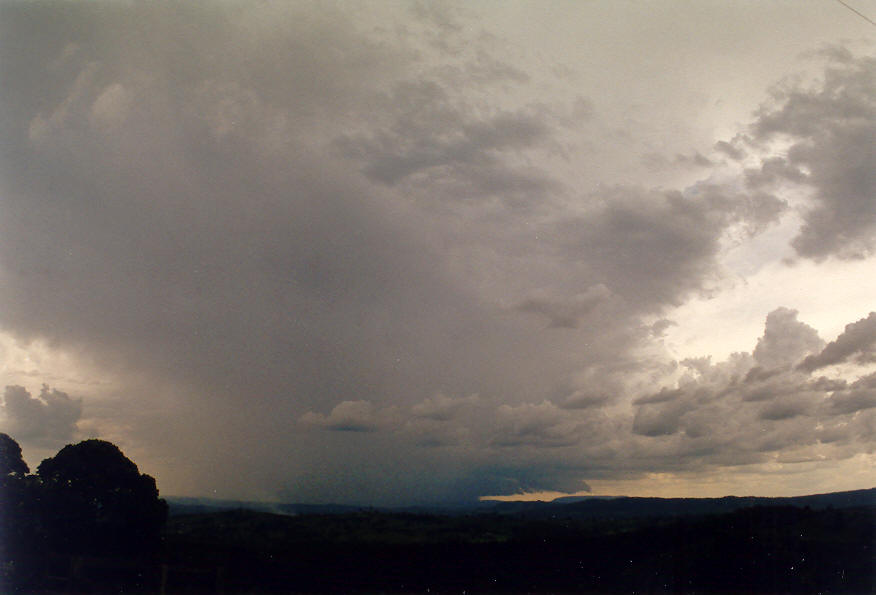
{"x": 397, "y": 253}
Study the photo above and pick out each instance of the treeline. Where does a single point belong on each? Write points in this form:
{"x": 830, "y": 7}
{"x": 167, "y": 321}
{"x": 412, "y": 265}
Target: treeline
{"x": 89, "y": 500}
{"x": 756, "y": 550}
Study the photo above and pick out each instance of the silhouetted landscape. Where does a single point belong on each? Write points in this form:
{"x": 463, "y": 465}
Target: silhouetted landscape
{"x": 88, "y": 522}
{"x": 761, "y": 549}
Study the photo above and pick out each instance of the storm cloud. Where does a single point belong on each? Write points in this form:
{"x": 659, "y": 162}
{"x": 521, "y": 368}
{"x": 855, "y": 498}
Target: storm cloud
{"x": 858, "y": 340}
{"x": 368, "y": 254}
{"x": 47, "y": 420}
{"x": 831, "y": 126}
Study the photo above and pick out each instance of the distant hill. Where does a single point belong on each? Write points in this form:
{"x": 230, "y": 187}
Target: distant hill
{"x": 600, "y": 507}
{"x": 187, "y": 505}
{"x": 630, "y": 507}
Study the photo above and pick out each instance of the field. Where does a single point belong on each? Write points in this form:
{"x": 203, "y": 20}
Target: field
{"x": 756, "y": 550}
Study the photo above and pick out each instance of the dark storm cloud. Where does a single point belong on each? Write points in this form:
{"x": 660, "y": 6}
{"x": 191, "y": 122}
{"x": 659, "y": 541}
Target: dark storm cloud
{"x": 772, "y": 170}
{"x": 542, "y": 426}
{"x": 430, "y": 134}
{"x": 47, "y": 420}
{"x": 583, "y": 399}
{"x": 752, "y": 408}
{"x": 697, "y": 159}
{"x": 296, "y": 241}
{"x": 349, "y": 416}
{"x": 510, "y": 480}
{"x": 659, "y": 421}
{"x": 655, "y": 248}
{"x": 191, "y": 222}
{"x": 831, "y": 127}
{"x": 440, "y": 407}
{"x": 784, "y": 409}
{"x": 860, "y": 395}
{"x": 566, "y": 313}
{"x": 659, "y": 328}
{"x": 730, "y": 150}
{"x": 175, "y": 207}
{"x": 858, "y": 339}
{"x": 485, "y": 70}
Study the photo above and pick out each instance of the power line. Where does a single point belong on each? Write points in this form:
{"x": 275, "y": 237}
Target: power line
{"x": 863, "y": 16}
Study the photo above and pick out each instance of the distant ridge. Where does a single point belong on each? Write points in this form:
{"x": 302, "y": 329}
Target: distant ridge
{"x": 191, "y": 505}
{"x": 592, "y": 507}
{"x": 629, "y": 507}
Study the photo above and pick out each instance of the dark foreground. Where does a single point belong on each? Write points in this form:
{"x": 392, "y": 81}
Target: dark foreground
{"x": 755, "y": 550}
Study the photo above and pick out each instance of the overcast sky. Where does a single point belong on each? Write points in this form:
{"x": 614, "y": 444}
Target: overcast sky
{"x": 394, "y": 252}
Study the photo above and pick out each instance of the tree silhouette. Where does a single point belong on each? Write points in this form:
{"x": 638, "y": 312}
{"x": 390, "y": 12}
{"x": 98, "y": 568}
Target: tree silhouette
{"x": 11, "y": 461}
{"x": 96, "y": 501}
{"x": 19, "y": 539}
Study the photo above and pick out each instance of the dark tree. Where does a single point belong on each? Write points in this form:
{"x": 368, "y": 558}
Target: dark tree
{"x": 96, "y": 501}
{"x": 11, "y": 461}
{"x": 19, "y": 535}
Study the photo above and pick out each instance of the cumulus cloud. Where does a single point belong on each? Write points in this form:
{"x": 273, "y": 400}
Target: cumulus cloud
{"x": 440, "y": 407}
{"x": 857, "y": 340}
{"x": 583, "y": 398}
{"x": 655, "y": 248}
{"x": 47, "y": 420}
{"x": 755, "y": 406}
{"x": 785, "y": 340}
{"x": 661, "y": 420}
{"x": 830, "y": 127}
{"x": 542, "y": 425}
{"x": 752, "y": 408}
{"x": 860, "y": 395}
{"x": 350, "y": 416}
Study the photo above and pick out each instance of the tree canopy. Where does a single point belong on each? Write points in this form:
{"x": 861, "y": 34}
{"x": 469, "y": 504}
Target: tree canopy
{"x": 11, "y": 461}
{"x": 96, "y": 500}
